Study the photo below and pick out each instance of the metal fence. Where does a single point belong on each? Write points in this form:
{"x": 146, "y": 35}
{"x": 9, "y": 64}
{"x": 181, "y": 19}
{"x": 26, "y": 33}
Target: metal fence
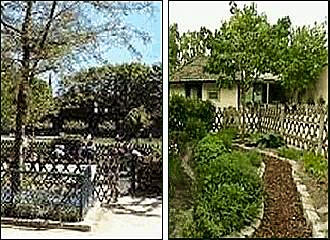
{"x": 61, "y": 181}
{"x": 45, "y": 194}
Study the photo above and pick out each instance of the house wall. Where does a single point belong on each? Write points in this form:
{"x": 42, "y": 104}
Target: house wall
{"x": 226, "y": 97}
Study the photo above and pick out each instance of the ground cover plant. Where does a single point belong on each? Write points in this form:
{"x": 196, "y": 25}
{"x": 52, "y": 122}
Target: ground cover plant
{"x": 226, "y": 194}
{"x": 189, "y": 122}
{"x": 228, "y": 188}
{"x": 313, "y": 163}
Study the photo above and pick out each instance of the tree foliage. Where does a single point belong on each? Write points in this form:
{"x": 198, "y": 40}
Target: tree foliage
{"x": 115, "y": 90}
{"x": 40, "y": 100}
{"x": 58, "y": 36}
{"x": 183, "y": 49}
{"x": 306, "y": 56}
{"x": 239, "y": 49}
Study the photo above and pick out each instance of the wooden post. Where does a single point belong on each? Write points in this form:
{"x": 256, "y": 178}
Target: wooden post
{"x": 320, "y": 138}
{"x": 267, "y": 93}
{"x": 282, "y": 117}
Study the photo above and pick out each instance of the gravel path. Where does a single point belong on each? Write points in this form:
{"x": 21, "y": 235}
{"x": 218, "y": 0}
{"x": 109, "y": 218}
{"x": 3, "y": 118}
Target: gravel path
{"x": 283, "y": 213}
{"x": 137, "y": 218}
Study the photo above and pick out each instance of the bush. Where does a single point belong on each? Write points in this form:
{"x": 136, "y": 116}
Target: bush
{"x": 229, "y": 194}
{"x": 228, "y": 187}
{"x": 196, "y": 129}
{"x": 182, "y": 110}
{"x": 227, "y": 135}
{"x": 270, "y": 140}
{"x": 209, "y": 148}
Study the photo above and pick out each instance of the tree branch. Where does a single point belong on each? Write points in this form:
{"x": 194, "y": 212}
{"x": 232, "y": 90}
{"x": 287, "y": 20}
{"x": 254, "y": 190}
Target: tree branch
{"x": 6, "y": 25}
{"x": 46, "y": 31}
{"x": 44, "y": 37}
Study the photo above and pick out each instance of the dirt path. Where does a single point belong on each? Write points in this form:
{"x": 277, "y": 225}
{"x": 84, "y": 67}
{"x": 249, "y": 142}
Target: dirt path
{"x": 283, "y": 213}
{"x": 128, "y": 219}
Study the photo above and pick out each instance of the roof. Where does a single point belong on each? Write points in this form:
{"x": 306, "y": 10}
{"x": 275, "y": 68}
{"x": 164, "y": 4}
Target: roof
{"x": 193, "y": 71}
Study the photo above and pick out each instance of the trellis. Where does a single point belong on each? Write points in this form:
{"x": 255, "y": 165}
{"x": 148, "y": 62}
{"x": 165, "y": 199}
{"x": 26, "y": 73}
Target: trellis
{"x": 301, "y": 126}
{"x": 111, "y": 163}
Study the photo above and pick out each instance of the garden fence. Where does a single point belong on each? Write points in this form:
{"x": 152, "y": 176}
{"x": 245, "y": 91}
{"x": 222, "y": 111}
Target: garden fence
{"x": 302, "y": 126}
{"x": 67, "y": 180}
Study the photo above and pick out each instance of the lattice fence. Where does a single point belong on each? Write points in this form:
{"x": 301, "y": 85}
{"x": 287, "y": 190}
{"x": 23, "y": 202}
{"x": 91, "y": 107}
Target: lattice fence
{"x": 301, "y": 126}
{"x": 102, "y": 173}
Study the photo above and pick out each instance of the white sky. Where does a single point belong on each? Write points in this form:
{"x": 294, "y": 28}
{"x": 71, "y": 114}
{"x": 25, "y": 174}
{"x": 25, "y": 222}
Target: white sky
{"x": 192, "y": 15}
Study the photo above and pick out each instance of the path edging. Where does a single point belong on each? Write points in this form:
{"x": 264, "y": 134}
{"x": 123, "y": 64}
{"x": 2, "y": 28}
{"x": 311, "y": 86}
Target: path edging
{"x": 310, "y": 213}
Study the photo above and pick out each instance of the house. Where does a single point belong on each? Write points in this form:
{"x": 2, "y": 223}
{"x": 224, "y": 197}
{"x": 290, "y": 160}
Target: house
{"x": 191, "y": 81}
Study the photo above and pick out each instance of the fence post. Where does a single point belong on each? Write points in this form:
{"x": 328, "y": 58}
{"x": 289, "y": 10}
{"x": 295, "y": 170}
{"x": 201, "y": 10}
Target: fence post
{"x": 282, "y": 117}
{"x": 133, "y": 174}
{"x": 320, "y": 138}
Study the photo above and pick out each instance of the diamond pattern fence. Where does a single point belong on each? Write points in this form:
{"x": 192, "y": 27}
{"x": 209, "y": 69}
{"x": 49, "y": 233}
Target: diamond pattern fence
{"x": 301, "y": 126}
{"x": 61, "y": 182}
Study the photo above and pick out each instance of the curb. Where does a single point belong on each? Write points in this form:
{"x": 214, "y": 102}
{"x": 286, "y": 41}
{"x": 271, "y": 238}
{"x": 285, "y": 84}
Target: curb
{"x": 40, "y": 223}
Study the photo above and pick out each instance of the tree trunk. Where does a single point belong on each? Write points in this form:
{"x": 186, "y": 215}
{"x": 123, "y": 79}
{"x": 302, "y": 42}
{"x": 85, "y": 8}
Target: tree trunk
{"x": 22, "y": 105}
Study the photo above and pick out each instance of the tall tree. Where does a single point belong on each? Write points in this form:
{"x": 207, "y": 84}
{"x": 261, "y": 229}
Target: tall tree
{"x": 117, "y": 88}
{"x": 173, "y": 45}
{"x": 304, "y": 60}
{"x": 58, "y": 35}
{"x": 238, "y": 49}
{"x": 183, "y": 49}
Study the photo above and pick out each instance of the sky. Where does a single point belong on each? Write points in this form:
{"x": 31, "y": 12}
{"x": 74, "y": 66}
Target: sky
{"x": 193, "y": 15}
{"x": 151, "y": 52}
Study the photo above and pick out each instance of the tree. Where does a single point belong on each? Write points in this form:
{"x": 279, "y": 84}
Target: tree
{"x": 117, "y": 88}
{"x": 57, "y": 36}
{"x": 305, "y": 58}
{"x": 239, "y": 49}
{"x": 173, "y": 45}
{"x": 183, "y": 49}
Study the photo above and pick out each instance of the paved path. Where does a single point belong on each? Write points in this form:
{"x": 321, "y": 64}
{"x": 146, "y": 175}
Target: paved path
{"x": 128, "y": 219}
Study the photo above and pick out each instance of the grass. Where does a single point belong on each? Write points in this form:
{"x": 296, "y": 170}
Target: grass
{"x": 313, "y": 164}
{"x": 290, "y": 153}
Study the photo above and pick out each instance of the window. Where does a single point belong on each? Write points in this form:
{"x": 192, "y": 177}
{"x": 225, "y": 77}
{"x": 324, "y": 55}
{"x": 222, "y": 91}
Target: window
{"x": 213, "y": 94}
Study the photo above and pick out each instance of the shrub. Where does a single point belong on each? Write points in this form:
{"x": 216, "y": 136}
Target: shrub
{"x": 209, "y": 148}
{"x": 270, "y": 140}
{"x": 229, "y": 194}
{"x": 182, "y": 109}
{"x": 227, "y": 135}
{"x": 196, "y": 129}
